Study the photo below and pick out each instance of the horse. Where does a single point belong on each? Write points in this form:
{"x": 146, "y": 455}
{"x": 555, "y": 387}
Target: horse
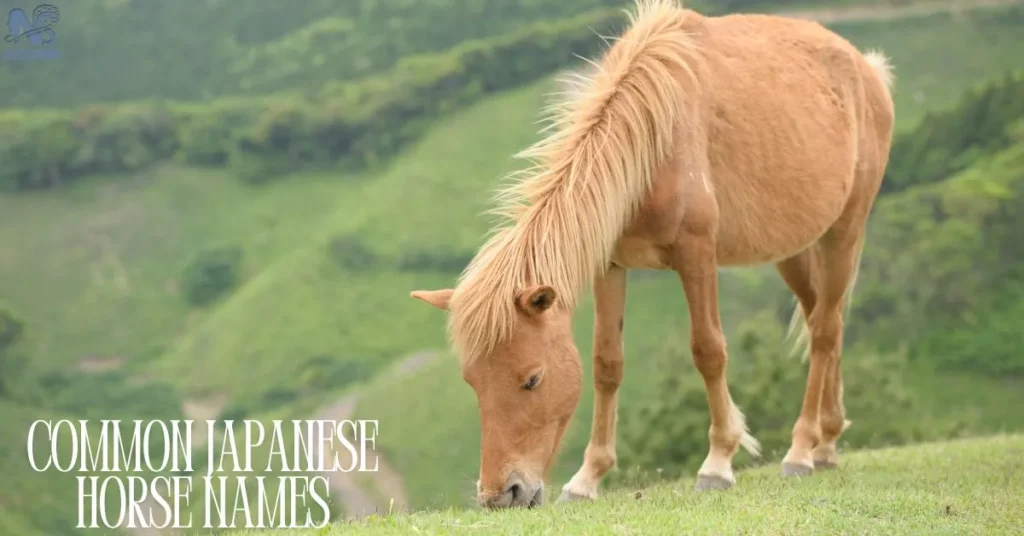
{"x": 695, "y": 142}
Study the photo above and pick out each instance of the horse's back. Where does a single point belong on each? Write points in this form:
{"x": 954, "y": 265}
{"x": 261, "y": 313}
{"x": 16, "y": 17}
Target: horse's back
{"x": 786, "y": 111}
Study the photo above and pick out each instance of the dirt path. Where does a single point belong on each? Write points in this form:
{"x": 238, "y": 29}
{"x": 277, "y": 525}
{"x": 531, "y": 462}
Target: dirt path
{"x": 880, "y": 11}
{"x": 348, "y": 489}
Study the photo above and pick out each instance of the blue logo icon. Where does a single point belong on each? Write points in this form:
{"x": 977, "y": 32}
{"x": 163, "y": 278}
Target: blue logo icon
{"x": 36, "y": 36}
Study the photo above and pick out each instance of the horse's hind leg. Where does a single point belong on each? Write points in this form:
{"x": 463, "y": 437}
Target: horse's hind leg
{"x": 822, "y": 290}
{"x": 833, "y": 417}
{"x": 798, "y": 273}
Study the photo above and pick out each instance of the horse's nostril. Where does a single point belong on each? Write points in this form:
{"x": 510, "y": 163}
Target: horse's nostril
{"x": 517, "y": 490}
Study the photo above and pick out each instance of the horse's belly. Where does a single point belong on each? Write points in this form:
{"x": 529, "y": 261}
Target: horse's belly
{"x": 778, "y": 225}
{"x": 640, "y": 253}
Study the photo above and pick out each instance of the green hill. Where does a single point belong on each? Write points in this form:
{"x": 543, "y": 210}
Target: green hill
{"x": 122, "y": 50}
{"x": 964, "y": 486}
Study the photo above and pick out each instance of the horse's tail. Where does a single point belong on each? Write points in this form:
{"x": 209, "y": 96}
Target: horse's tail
{"x": 880, "y": 64}
{"x": 798, "y": 324}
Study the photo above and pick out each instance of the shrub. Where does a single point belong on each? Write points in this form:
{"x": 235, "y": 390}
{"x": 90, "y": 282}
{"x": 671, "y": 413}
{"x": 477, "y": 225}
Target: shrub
{"x": 325, "y": 373}
{"x": 12, "y": 360}
{"x": 359, "y": 123}
{"x": 352, "y": 253}
{"x": 39, "y": 150}
{"x": 211, "y": 274}
{"x": 208, "y": 132}
{"x": 440, "y": 259}
{"x": 110, "y": 395}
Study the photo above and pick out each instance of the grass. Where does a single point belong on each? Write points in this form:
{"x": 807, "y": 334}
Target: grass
{"x": 967, "y": 486}
{"x": 94, "y": 267}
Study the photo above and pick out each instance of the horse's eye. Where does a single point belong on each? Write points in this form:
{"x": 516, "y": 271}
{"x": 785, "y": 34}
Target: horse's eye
{"x": 529, "y": 385}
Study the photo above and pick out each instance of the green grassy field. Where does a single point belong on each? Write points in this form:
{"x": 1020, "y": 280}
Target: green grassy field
{"x": 968, "y": 486}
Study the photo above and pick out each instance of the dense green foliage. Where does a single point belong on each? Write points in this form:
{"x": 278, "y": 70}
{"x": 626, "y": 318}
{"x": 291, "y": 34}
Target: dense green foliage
{"x": 356, "y": 123}
{"x": 128, "y": 50}
{"x": 950, "y": 140}
{"x": 363, "y": 122}
{"x": 944, "y": 268}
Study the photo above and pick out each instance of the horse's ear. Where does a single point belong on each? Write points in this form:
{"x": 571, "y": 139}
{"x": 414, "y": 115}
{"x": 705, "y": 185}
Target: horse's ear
{"x": 535, "y": 300}
{"x": 437, "y": 298}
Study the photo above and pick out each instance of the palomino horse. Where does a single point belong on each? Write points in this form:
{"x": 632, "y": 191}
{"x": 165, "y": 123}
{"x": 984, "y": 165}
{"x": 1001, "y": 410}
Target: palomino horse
{"x": 696, "y": 142}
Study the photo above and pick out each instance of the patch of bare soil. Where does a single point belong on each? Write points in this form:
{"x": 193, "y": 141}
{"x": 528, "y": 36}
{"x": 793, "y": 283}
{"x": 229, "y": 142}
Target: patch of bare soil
{"x": 95, "y": 364}
{"x": 201, "y": 410}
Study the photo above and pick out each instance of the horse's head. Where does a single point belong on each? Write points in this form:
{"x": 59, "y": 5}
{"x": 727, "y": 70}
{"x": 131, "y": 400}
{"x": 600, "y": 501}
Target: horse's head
{"x": 527, "y": 389}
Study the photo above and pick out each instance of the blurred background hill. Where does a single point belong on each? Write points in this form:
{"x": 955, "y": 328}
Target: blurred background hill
{"x": 215, "y": 209}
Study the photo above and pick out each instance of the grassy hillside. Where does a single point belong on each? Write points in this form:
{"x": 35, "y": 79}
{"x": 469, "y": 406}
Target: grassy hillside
{"x": 134, "y": 242}
{"x": 967, "y": 486}
{"x": 212, "y": 48}
{"x": 95, "y": 267}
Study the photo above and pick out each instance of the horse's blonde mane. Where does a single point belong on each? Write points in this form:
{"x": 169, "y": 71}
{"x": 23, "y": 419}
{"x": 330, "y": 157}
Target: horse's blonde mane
{"x": 564, "y": 215}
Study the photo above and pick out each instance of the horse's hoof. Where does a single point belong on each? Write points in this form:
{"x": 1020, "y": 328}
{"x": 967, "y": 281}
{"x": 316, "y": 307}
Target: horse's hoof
{"x": 793, "y": 469}
{"x": 712, "y": 483}
{"x": 822, "y": 465}
{"x": 568, "y": 496}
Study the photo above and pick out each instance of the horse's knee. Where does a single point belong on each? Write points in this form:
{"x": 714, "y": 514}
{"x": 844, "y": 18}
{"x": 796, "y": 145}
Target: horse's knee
{"x": 608, "y": 371}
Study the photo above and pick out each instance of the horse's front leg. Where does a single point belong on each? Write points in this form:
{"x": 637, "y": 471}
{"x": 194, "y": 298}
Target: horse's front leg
{"x": 599, "y": 458}
{"x": 697, "y": 266}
